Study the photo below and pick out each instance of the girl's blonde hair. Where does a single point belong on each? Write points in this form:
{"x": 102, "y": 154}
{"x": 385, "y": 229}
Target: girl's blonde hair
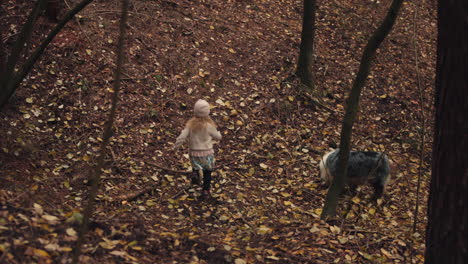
{"x": 197, "y": 123}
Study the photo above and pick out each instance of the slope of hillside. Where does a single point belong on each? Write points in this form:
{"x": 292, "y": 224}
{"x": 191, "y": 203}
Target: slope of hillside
{"x": 268, "y": 195}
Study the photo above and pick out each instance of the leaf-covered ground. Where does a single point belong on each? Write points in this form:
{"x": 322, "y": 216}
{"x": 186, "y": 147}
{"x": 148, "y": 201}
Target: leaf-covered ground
{"x": 267, "y": 193}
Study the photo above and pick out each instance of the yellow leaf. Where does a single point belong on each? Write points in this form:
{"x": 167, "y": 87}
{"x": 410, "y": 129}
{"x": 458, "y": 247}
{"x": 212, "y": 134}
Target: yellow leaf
{"x": 51, "y": 219}
{"x": 355, "y": 200}
{"x": 318, "y": 211}
{"x": 231, "y": 50}
{"x": 386, "y": 253}
{"x": 71, "y": 232}
{"x": 41, "y": 253}
{"x": 138, "y": 248}
{"x": 108, "y": 244}
{"x": 343, "y": 240}
{"x": 52, "y": 247}
{"x": 38, "y": 208}
{"x": 89, "y": 52}
{"x": 262, "y": 230}
{"x": 240, "y": 261}
{"x": 86, "y": 158}
{"x": 314, "y": 229}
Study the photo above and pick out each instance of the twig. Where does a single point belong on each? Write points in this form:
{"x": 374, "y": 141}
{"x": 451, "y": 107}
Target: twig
{"x": 170, "y": 170}
{"x": 364, "y": 231}
{"x": 423, "y": 124}
{"x": 314, "y": 101}
{"x": 186, "y": 188}
{"x": 307, "y": 213}
{"x": 146, "y": 45}
{"x": 132, "y": 196}
{"x": 313, "y": 194}
{"x": 296, "y": 257}
{"x": 116, "y": 11}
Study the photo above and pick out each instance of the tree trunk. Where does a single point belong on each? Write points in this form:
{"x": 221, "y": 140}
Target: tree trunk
{"x": 52, "y": 10}
{"x": 3, "y": 49}
{"x": 447, "y": 228}
{"x": 352, "y": 106}
{"x": 3, "y": 56}
{"x": 304, "y": 64}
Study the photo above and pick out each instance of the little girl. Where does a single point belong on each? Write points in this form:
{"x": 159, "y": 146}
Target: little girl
{"x": 199, "y": 133}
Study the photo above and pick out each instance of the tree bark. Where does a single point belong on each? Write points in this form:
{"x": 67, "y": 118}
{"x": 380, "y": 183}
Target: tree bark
{"x": 306, "y": 59}
{"x": 3, "y": 56}
{"x": 447, "y": 228}
{"x": 331, "y": 201}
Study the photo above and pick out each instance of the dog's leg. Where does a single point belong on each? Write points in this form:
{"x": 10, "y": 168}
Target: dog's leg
{"x": 378, "y": 190}
{"x": 353, "y": 189}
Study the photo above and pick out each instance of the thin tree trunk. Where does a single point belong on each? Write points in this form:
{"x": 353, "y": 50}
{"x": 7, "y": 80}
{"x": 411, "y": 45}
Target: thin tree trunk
{"x": 6, "y": 77}
{"x": 14, "y": 80}
{"x": 95, "y": 178}
{"x": 447, "y": 228}
{"x": 352, "y": 106}
{"x": 306, "y": 59}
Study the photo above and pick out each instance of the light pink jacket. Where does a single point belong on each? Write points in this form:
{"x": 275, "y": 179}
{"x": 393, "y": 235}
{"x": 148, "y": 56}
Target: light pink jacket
{"x": 201, "y": 140}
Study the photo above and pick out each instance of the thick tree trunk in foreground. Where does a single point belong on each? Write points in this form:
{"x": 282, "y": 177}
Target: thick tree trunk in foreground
{"x": 304, "y": 64}
{"x": 352, "y": 107}
{"x": 3, "y": 56}
{"x": 447, "y": 229}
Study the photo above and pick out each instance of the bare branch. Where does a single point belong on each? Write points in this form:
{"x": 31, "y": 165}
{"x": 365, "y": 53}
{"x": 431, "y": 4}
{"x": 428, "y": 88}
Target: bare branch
{"x": 95, "y": 178}
{"x": 15, "y": 80}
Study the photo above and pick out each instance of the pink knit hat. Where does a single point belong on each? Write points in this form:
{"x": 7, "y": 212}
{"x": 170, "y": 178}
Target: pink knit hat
{"x": 201, "y": 108}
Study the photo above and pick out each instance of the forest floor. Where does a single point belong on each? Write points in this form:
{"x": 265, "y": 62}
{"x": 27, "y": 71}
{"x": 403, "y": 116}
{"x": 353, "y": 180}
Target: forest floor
{"x": 267, "y": 195}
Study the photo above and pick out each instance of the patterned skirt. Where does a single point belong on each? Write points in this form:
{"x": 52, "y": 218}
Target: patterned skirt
{"x": 202, "y": 160}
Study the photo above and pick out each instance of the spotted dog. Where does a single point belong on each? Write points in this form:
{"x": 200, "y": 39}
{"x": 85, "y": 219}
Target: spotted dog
{"x": 363, "y": 167}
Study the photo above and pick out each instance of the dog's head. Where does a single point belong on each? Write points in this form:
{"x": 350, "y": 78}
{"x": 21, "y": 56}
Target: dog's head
{"x": 324, "y": 171}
